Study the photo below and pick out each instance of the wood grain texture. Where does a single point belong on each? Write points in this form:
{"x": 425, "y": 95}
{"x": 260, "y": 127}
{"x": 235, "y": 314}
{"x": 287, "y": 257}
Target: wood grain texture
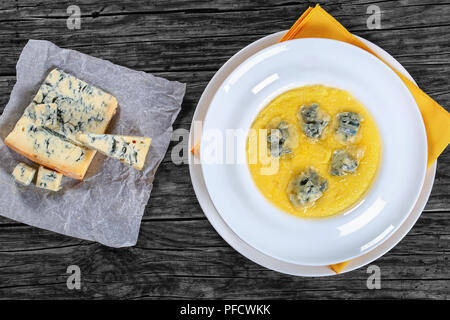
{"x": 179, "y": 254}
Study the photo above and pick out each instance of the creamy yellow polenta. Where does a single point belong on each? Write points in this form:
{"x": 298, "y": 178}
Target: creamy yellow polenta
{"x": 342, "y": 192}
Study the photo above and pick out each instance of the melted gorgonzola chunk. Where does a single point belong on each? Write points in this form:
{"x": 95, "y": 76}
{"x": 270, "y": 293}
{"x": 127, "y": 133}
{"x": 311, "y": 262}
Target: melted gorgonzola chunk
{"x": 306, "y": 188}
{"x": 314, "y": 120}
{"x": 342, "y": 163}
{"x": 277, "y": 138}
{"x": 348, "y": 124}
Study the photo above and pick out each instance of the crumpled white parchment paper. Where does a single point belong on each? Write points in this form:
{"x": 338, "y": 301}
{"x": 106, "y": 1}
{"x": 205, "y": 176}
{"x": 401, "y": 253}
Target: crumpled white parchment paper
{"x": 107, "y": 206}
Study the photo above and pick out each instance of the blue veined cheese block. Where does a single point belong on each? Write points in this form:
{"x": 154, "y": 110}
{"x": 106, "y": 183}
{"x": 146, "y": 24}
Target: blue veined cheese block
{"x": 48, "y": 179}
{"x": 128, "y": 149}
{"x": 63, "y": 107}
{"x": 23, "y": 174}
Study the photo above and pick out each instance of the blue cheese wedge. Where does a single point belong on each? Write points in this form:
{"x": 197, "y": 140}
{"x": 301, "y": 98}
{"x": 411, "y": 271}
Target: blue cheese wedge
{"x": 23, "y": 174}
{"x": 128, "y": 149}
{"x": 63, "y": 107}
{"x": 48, "y": 179}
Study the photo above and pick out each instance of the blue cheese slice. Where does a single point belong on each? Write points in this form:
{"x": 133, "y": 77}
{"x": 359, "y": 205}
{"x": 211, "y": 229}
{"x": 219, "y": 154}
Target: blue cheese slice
{"x": 23, "y": 174}
{"x": 128, "y": 149}
{"x": 63, "y": 107}
{"x": 48, "y": 179}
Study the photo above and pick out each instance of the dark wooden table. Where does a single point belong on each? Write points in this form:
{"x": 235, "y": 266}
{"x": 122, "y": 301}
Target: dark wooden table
{"x": 179, "y": 254}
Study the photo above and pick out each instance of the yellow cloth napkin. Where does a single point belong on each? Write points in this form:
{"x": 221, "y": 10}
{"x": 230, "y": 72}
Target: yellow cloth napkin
{"x": 317, "y": 23}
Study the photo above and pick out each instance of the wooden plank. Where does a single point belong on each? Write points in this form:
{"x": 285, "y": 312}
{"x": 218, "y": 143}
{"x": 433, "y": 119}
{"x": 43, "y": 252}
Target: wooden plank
{"x": 153, "y": 55}
{"x": 184, "y": 48}
{"x": 181, "y": 265}
{"x": 412, "y": 13}
{"x": 121, "y": 287}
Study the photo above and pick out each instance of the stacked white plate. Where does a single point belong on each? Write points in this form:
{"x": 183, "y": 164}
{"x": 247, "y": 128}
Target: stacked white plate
{"x": 277, "y": 240}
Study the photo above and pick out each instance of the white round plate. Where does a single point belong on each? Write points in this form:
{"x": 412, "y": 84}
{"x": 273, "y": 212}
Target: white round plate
{"x": 281, "y": 67}
{"x": 225, "y": 231}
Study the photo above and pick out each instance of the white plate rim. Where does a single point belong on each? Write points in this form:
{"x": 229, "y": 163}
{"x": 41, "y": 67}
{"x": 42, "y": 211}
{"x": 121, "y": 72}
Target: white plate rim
{"x": 350, "y": 228}
{"x": 223, "y": 229}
